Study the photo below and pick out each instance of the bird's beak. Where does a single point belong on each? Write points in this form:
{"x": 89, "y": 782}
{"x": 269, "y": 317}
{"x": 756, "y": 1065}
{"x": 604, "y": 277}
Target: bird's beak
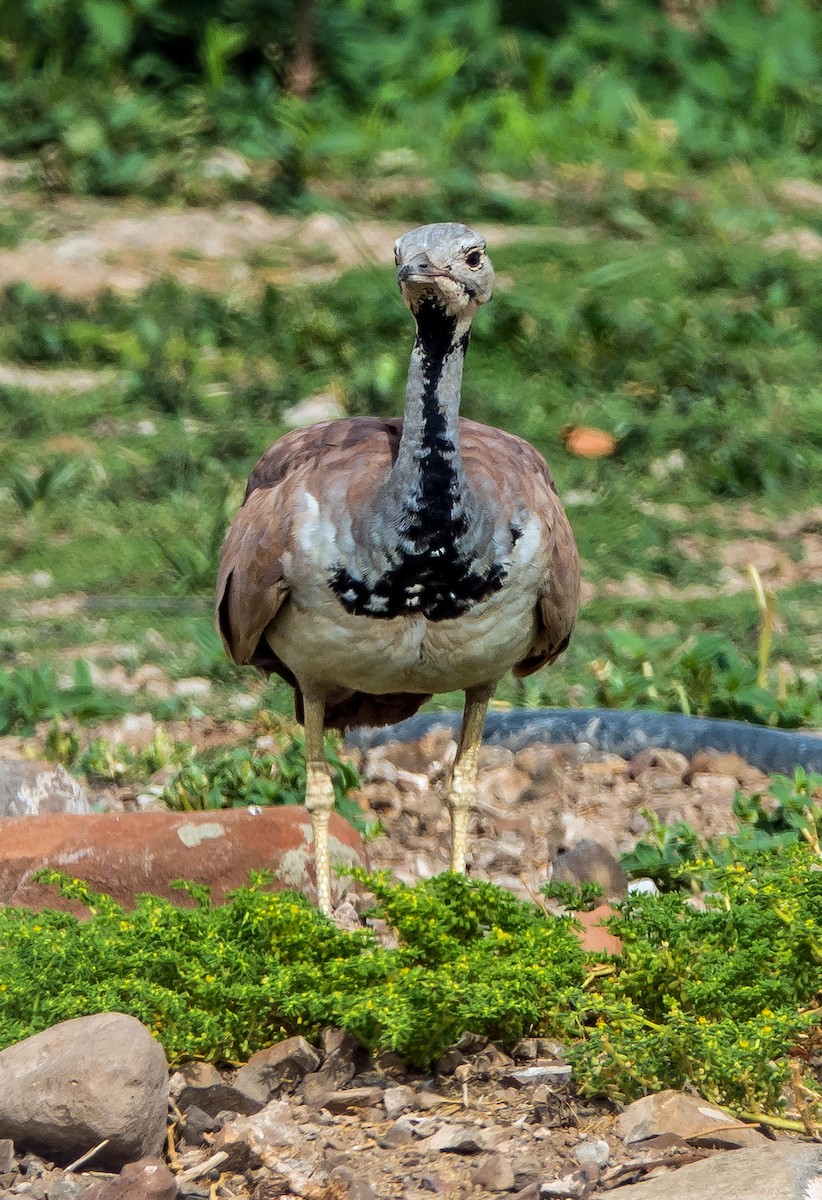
{"x": 420, "y": 270}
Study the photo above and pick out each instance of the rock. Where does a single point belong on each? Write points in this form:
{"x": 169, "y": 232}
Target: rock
{"x": 7, "y": 1156}
{"x": 669, "y": 762}
{"x": 449, "y": 1060}
{"x": 687, "y": 1116}
{"x": 68, "y": 1187}
{"x": 148, "y": 1179}
{"x": 593, "y": 1153}
{"x": 711, "y": 762}
{"x": 494, "y": 1173}
{"x": 773, "y": 1171}
{"x": 553, "y": 1074}
{"x": 397, "y": 1100}
{"x": 459, "y": 1139}
{"x": 577, "y": 1185}
{"x": 351, "y": 1099}
{"x": 590, "y": 862}
{"x": 197, "y": 1123}
{"x": 527, "y": 1049}
{"x": 719, "y": 786}
{"x": 29, "y": 788}
{"x": 84, "y": 1081}
{"x": 124, "y": 854}
{"x": 205, "y": 1088}
{"x": 277, "y": 1067}
{"x": 350, "y": 1183}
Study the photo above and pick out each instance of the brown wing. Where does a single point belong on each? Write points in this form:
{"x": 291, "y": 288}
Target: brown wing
{"x": 511, "y": 467}
{"x": 251, "y": 586}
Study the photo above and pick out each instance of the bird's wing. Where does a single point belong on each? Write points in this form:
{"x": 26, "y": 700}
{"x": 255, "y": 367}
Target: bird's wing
{"x": 251, "y": 583}
{"x": 515, "y": 468}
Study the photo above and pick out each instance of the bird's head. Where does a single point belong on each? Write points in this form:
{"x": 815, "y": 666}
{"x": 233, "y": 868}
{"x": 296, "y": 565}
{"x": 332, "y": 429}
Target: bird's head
{"x": 444, "y": 265}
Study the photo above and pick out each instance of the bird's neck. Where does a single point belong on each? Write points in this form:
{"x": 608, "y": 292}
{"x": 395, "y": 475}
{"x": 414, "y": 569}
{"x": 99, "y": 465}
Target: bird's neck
{"x": 428, "y": 477}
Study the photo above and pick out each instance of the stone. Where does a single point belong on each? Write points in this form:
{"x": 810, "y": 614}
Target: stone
{"x": 7, "y": 1156}
{"x": 459, "y": 1139}
{"x": 29, "y": 788}
{"x": 280, "y": 1066}
{"x": 68, "y": 1187}
{"x": 687, "y": 1116}
{"x": 351, "y": 1183}
{"x": 148, "y": 1179}
{"x": 592, "y": 1153}
{"x": 197, "y": 1123}
{"x": 273, "y": 1127}
{"x": 494, "y": 1173}
{"x": 669, "y": 762}
{"x": 774, "y": 1171}
{"x": 576, "y": 1185}
{"x": 716, "y": 786}
{"x": 82, "y": 1082}
{"x": 553, "y": 1074}
{"x": 730, "y": 764}
{"x": 397, "y": 1100}
{"x": 590, "y": 862}
{"x": 204, "y": 1088}
{"x": 352, "y": 1099}
{"x": 124, "y": 854}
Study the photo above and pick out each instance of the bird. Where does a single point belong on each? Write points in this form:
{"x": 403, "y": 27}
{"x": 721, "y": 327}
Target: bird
{"x": 375, "y": 562}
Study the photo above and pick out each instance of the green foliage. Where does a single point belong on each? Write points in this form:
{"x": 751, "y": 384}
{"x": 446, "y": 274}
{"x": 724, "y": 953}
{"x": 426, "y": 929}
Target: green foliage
{"x": 120, "y": 97}
{"x": 32, "y": 694}
{"x": 243, "y": 775}
{"x": 715, "y": 1000}
{"x": 707, "y": 677}
{"x": 787, "y": 814}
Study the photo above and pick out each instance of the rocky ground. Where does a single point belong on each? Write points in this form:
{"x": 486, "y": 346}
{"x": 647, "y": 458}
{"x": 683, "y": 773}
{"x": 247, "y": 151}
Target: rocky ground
{"x": 333, "y": 1123}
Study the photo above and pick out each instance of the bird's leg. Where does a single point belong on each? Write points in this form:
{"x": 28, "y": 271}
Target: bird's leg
{"x": 319, "y": 794}
{"x": 464, "y": 777}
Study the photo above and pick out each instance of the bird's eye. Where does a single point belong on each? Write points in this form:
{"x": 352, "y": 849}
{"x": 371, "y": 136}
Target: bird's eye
{"x": 474, "y": 259}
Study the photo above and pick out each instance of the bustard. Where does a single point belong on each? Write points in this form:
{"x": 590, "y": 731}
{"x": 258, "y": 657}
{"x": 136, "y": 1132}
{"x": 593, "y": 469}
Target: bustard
{"x": 376, "y": 562}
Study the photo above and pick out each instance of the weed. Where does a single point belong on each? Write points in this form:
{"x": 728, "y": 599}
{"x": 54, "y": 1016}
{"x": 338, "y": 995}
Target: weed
{"x": 32, "y": 694}
{"x": 242, "y": 775}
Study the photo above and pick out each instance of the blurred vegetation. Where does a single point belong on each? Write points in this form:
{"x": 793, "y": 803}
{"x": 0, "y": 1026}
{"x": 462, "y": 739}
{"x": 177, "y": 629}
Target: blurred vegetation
{"x": 122, "y": 96}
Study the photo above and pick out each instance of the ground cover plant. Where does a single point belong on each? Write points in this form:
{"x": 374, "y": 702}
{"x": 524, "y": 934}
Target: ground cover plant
{"x": 719, "y": 999}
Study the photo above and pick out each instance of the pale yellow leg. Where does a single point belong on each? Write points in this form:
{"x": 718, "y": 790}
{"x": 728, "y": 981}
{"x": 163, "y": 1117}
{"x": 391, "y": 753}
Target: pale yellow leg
{"x": 319, "y": 795}
{"x": 464, "y": 778}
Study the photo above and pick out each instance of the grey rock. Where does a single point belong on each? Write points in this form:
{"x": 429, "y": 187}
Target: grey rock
{"x": 687, "y": 1116}
{"x": 277, "y": 1067}
{"x": 352, "y": 1184}
{"x": 84, "y": 1081}
{"x": 204, "y": 1086}
{"x": 589, "y": 861}
{"x": 197, "y": 1123}
{"x": 593, "y": 1153}
{"x": 68, "y": 1187}
{"x": 449, "y": 1060}
{"x": 351, "y": 1099}
{"x": 773, "y": 1171}
{"x": 575, "y": 1186}
{"x": 494, "y": 1173}
{"x": 397, "y": 1100}
{"x": 459, "y": 1139}
{"x": 28, "y": 788}
{"x": 148, "y": 1179}
{"x": 550, "y": 1074}
{"x": 7, "y": 1157}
